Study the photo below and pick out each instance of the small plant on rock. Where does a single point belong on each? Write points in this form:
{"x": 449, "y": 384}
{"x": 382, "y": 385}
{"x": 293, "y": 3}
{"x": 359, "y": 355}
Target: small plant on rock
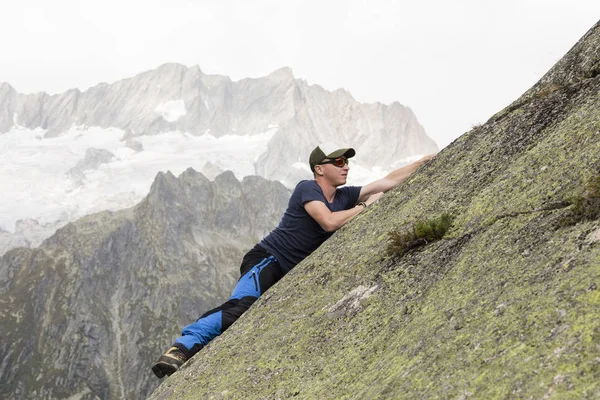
{"x": 421, "y": 233}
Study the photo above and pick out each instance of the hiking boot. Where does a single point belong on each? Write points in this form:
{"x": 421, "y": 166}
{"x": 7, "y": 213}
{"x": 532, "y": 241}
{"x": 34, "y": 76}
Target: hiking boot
{"x": 169, "y": 362}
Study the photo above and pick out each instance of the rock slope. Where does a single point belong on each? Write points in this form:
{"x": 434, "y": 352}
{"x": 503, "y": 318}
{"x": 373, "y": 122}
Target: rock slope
{"x": 87, "y": 313}
{"x": 506, "y": 305}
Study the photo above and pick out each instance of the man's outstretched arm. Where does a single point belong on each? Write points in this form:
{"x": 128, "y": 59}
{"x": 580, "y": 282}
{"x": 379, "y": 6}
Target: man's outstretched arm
{"x": 332, "y": 221}
{"x": 392, "y": 180}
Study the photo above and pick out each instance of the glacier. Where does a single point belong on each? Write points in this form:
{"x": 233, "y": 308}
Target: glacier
{"x": 36, "y": 184}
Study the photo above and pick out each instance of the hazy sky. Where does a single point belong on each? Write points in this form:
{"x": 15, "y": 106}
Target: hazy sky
{"x": 454, "y": 63}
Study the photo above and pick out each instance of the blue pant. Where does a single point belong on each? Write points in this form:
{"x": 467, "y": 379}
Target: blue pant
{"x": 259, "y": 271}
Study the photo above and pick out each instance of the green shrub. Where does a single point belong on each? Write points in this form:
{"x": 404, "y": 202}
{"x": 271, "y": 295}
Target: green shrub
{"x": 421, "y": 233}
{"x": 434, "y": 228}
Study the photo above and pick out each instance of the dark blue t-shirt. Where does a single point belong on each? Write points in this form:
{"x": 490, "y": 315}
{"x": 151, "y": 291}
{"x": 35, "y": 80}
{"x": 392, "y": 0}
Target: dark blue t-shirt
{"x": 298, "y": 234}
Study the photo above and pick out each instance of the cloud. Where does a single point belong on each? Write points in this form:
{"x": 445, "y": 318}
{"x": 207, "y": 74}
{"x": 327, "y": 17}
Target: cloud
{"x": 453, "y": 63}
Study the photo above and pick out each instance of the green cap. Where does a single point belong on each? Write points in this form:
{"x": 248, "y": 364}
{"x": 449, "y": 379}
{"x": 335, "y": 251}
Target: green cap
{"x": 328, "y": 150}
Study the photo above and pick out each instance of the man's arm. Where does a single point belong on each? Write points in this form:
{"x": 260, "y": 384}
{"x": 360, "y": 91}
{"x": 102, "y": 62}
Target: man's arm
{"x": 332, "y": 221}
{"x": 392, "y": 180}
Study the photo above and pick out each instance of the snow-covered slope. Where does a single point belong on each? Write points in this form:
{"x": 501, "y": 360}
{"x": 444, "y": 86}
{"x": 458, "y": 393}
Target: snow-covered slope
{"x": 58, "y": 178}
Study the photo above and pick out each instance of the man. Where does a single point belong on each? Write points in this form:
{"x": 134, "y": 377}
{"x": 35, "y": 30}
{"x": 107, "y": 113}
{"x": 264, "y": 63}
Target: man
{"x": 316, "y": 209}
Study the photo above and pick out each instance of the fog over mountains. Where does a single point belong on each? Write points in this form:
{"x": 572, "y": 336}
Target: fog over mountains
{"x": 70, "y": 154}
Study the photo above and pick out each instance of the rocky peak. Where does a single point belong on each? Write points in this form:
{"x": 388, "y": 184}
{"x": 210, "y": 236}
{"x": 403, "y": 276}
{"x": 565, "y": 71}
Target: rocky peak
{"x": 191, "y": 175}
{"x": 227, "y": 180}
{"x": 284, "y": 74}
{"x": 171, "y": 69}
{"x": 165, "y": 187}
{"x": 6, "y": 88}
{"x": 224, "y": 203}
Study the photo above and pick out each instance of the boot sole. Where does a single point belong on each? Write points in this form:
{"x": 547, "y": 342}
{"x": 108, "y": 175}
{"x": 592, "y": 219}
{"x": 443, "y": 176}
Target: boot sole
{"x": 163, "y": 368}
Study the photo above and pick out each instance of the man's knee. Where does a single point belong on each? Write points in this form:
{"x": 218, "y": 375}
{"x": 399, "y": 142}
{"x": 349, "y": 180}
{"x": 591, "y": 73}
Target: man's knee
{"x": 230, "y": 315}
{"x": 228, "y": 304}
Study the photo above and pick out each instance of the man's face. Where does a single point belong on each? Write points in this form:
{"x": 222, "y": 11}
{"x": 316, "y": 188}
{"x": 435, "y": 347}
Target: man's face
{"x": 335, "y": 170}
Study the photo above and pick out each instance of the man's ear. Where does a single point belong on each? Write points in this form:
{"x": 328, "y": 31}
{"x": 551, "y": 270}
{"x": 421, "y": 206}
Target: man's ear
{"x": 318, "y": 171}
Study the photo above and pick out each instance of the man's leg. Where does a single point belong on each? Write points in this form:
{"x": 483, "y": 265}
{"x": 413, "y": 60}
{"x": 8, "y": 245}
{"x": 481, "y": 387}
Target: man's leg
{"x": 255, "y": 280}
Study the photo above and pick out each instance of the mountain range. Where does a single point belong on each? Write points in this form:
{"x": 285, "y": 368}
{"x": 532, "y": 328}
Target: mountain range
{"x": 71, "y": 154}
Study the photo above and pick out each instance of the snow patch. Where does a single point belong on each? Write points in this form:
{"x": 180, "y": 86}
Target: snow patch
{"x": 172, "y": 110}
{"x": 302, "y": 166}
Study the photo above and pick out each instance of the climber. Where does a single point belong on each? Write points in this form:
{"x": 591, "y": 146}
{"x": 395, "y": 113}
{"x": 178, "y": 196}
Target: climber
{"x": 316, "y": 209}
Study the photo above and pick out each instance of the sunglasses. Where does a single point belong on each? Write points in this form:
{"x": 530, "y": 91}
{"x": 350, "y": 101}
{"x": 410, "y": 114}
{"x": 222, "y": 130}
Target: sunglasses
{"x": 338, "y": 162}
